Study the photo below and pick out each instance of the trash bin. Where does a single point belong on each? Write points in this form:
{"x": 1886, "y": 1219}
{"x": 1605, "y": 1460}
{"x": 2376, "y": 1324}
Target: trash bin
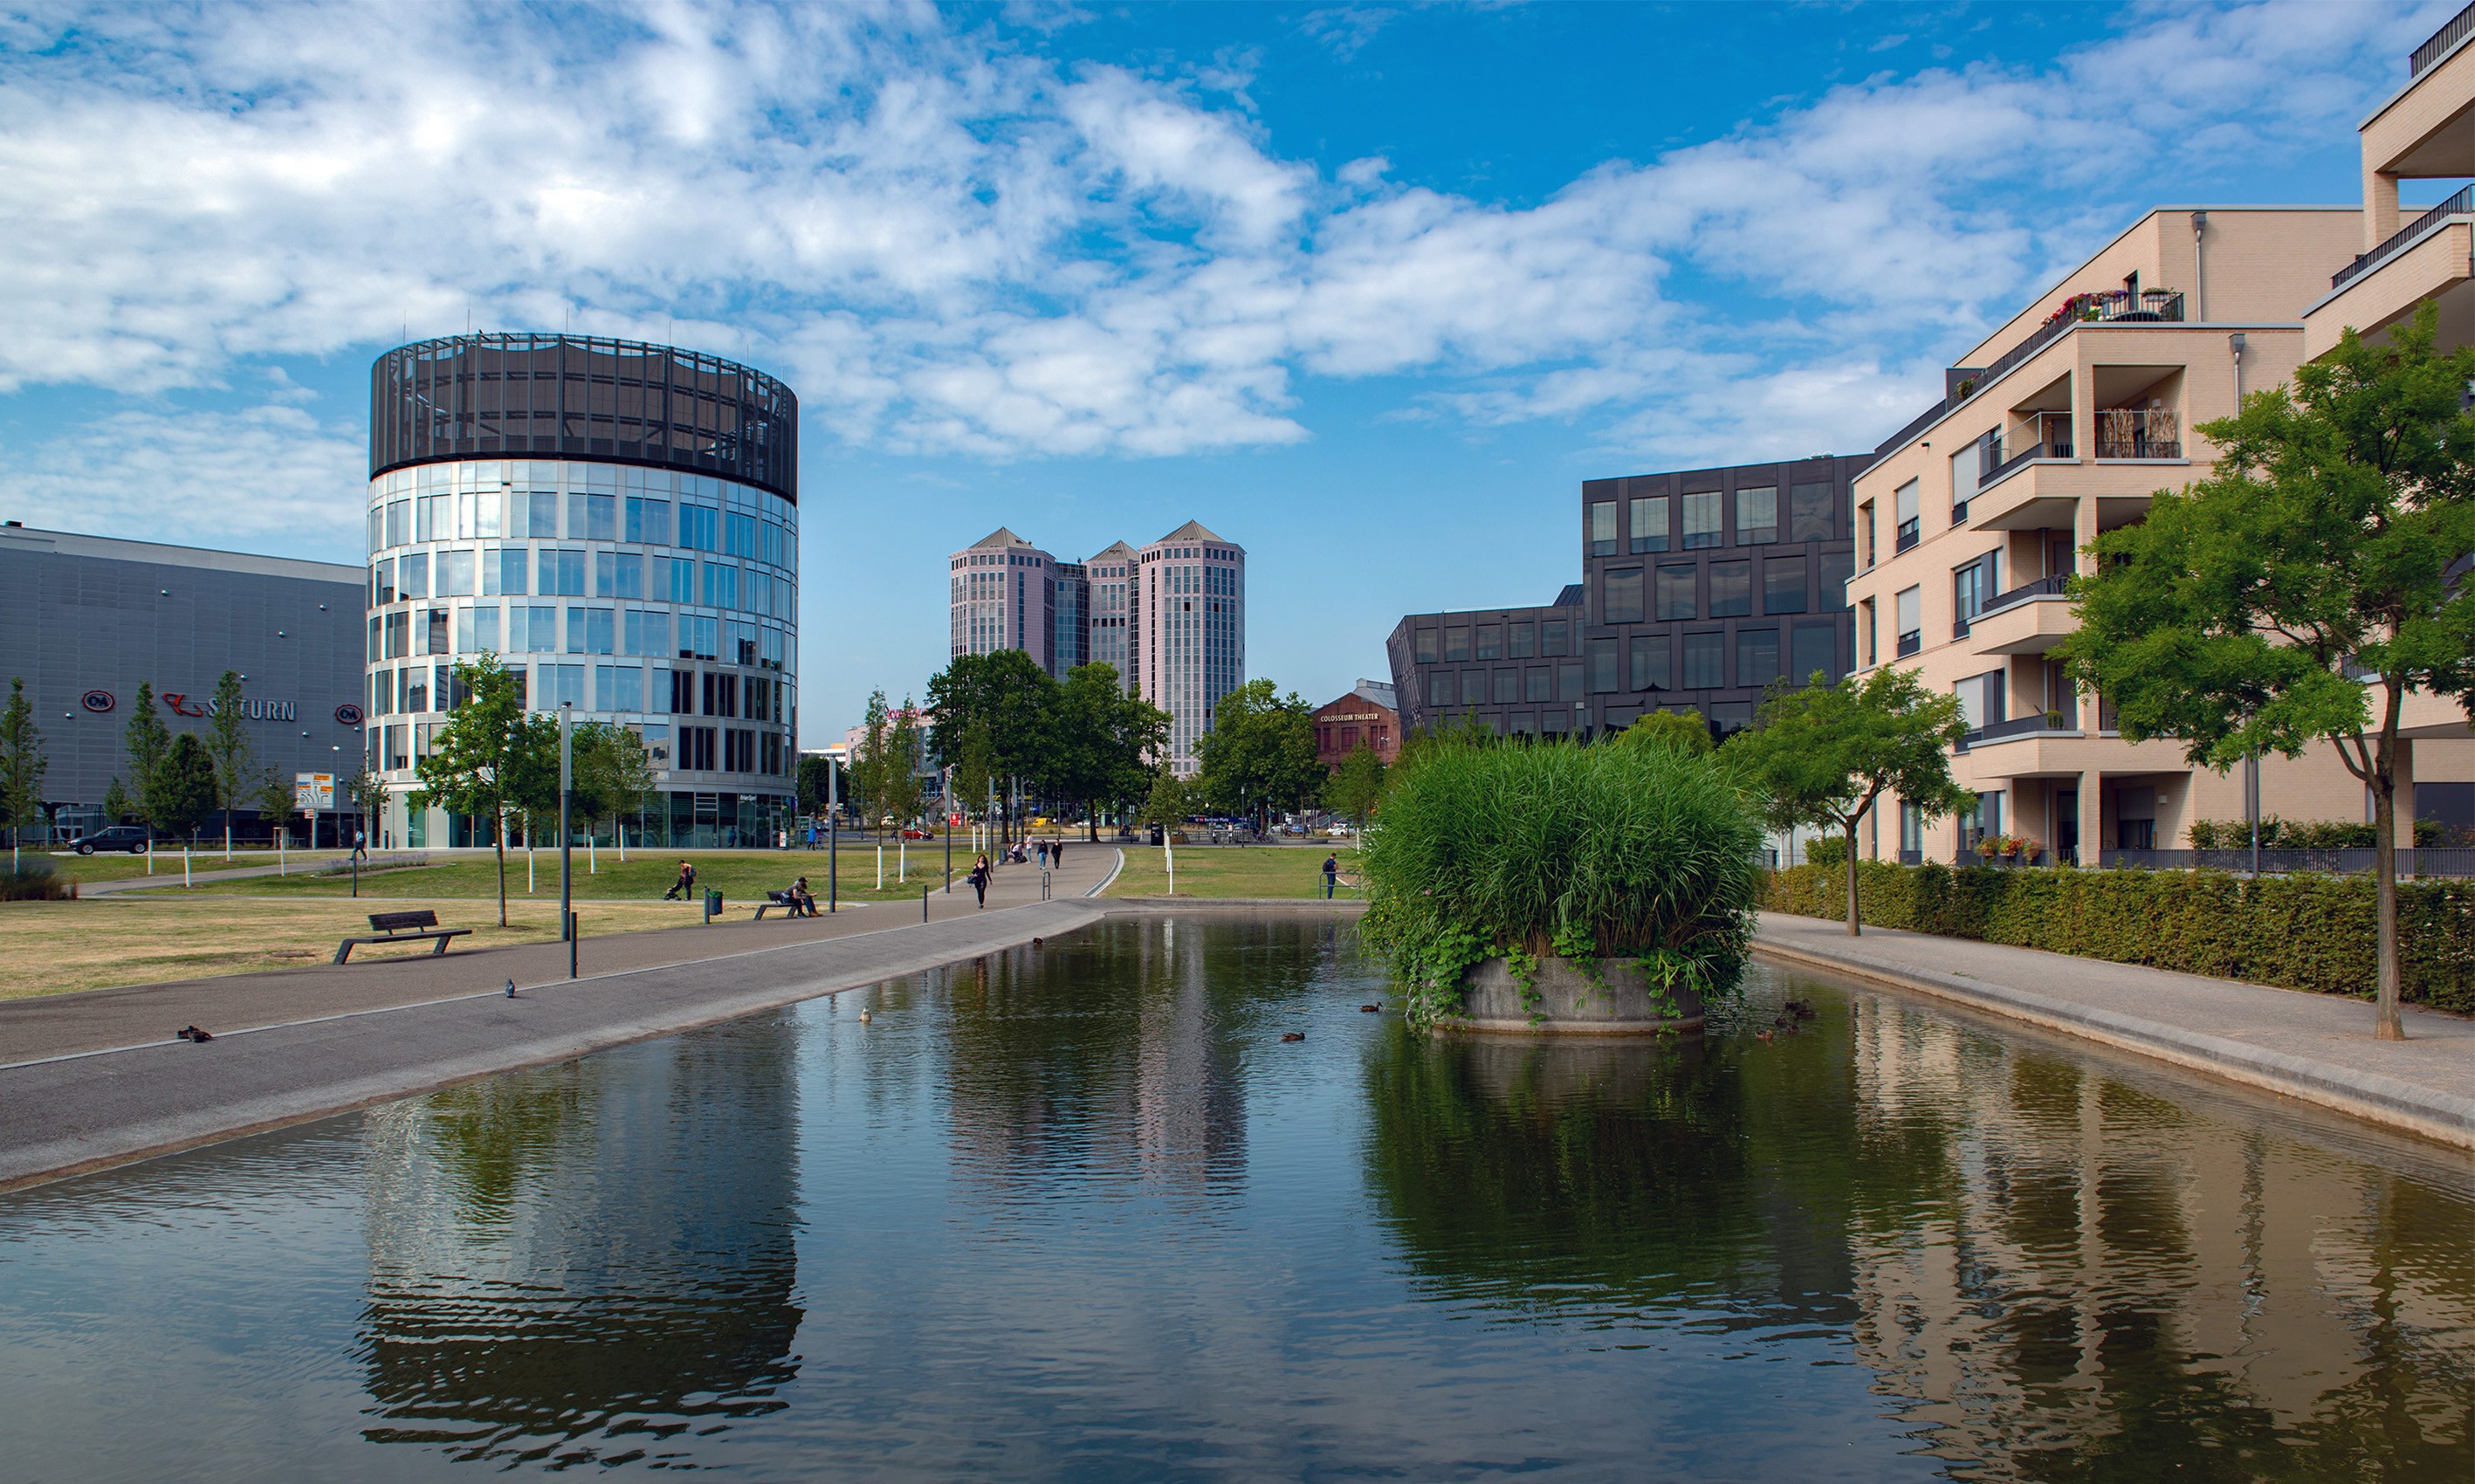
{"x": 1155, "y": 835}
{"x": 712, "y": 905}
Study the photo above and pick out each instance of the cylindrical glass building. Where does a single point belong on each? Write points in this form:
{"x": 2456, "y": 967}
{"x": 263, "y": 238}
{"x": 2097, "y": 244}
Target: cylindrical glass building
{"x": 618, "y": 523}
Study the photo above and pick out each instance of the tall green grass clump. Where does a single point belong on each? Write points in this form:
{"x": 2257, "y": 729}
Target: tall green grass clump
{"x": 34, "y": 882}
{"x": 1523, "y": 852}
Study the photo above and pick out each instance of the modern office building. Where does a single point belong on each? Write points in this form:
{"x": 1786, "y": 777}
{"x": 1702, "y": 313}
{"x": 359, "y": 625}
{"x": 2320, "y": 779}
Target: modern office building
{"x": 1189, "y": 632}
{"x": 86, "y": 620}
{"x": 2060, "y": 426}
{"x": 620, "y": 522}
{"x": 1368, "y": 716}
{"x": 1169, "y": 617}
{"x": 1701, "y": 588}
{"x": 1001, "y": 593}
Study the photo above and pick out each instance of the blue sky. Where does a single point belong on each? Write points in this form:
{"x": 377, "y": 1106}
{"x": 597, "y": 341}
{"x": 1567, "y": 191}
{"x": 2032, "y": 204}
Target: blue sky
{"x": 1367, "y": 289}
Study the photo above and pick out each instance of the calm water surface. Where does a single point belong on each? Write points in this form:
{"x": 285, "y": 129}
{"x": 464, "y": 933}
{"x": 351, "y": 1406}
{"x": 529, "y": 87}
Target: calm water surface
{"x": 1079, "y": 1213}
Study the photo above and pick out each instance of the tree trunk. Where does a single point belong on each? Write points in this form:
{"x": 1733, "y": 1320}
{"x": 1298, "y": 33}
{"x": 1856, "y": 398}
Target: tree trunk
{"x": 499, "y": 842}
{"x": 2386, "y": 1023}
{"x": 1856, "y": 929}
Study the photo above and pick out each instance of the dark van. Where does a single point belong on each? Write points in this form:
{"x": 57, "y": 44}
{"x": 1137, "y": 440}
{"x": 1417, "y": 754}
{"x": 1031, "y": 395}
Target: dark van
{"x": 130, "y": 838}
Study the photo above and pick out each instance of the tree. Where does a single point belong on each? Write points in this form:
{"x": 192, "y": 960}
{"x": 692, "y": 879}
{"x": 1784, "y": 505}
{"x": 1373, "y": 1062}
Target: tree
{"x": 272, "y": 798}
{"x": 227, "y": 743}
{"x": 975, "y": 769}
{"x": 1104, "y": 742}
{"x": 814, "y": 783}
{"x": 1009, "y": 694}
{"x": 368, "y": 791}
{"x": 1355, "y": 786}
{"x": 870, "y": 768}
{"x": 610, "y": 773}
{"x": 1821, "y": 755}
{"x": 144, "y": 741}
{"x": 183, "y": 789}
{"x": 1169, "y": 801}
{"x": 1685, "y": 730}
{"x": 22, "y": 765}
{"x": 905, "y": 749}
{"x": 2304, "y": 589}
{"x": 1259, "y": 753}
{"x": 117, "y": 803}
{"x": 490, "y": 758}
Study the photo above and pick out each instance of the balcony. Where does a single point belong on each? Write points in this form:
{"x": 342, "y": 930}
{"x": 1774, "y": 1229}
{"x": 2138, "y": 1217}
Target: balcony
{"x": 2138, "y": 432}
{"x": 2458, "y": 28}
{"x": 1907, "y": 536}
{"x": 2156, "y": 305}
{"x": 1910, "y": 643}
{"x": 2040, "y": 724}
{"x": 2411, "y": 233}
{"x": 2024, "y": 621}
{"x": 2057, "y": 586}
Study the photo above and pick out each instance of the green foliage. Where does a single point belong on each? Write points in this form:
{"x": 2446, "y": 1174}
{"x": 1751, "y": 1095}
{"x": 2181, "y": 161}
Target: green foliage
{"x": 1169, "y": 801}
{"x": 33, "y": 880}
{"x": 1668, "y": 729}
{"x": 1006, "y": 693}
{"x": 1821, "y": 756}
{"x": 2302, "y": 932}
{"x": 1582, "y": 852}
{"x": 612, "y": 774}
{"x": 813, "y": 775}
{"x": 367, "y": 791}
{"x": 904, "y": 752}
{"x": 1823, "y": 851}
{"x": 491, "y": 758}
{"x": 1355, "y": 786}
{"x": 1103, "y": 739}
{"x": 1259, "y": 753}
{"x": 144, "y": 742}
{"x": 271, "y": 795}
{"x": 22, "y": 764}
{"x": 117, "y": 803}
{"x": 227, "y": 743}
{"x": 184, "y": 791}
{"x": 2277, "y": 833}
{"x": 975, "y": 769}
{"x": 2306, "y": 588}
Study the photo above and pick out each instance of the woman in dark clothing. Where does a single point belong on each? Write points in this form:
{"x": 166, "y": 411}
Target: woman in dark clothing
{"x": 980, "y": 878}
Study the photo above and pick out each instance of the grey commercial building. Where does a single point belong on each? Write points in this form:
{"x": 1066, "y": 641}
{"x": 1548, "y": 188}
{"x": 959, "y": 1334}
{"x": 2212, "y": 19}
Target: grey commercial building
{"x": 1701, "y": 588}
{"x": 84, "y": 619}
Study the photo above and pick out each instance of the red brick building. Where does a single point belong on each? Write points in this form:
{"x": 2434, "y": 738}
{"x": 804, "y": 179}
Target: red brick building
{"x": 1365, "y": 716}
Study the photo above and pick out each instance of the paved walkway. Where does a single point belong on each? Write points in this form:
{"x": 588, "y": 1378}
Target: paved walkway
{"x": 2316, "y": 1048}
{"x": 143, "y": 1014}
{"x": 84, "y": 1111}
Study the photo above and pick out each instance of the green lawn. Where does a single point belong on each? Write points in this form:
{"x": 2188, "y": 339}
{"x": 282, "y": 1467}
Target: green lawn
{"x": 1230, "y": 872}
{"x": 739, "y": 876}
{"x": 118, "y": 866}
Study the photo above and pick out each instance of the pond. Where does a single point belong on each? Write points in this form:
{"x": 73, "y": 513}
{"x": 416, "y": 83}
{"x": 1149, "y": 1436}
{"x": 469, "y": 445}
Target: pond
{"x": 1079, "y": 1212}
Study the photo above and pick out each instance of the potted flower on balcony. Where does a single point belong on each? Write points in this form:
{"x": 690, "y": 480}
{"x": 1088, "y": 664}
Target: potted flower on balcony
{"x": 1987, "y": 846}
{"x": 2031, "y": 851}
{"x": 1563, "y": 888}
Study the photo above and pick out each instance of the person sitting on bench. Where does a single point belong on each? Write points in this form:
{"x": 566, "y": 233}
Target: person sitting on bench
{"x": 803, "y": 903}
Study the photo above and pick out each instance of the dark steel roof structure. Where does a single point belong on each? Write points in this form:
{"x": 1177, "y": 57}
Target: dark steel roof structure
{"x": 525, "y": 396}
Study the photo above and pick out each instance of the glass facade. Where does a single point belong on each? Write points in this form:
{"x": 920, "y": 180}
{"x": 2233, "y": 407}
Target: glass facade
{"x": 662, "y": 600}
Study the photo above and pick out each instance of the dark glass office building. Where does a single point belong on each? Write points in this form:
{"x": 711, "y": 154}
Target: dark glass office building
{"x": 1701, "y": 588}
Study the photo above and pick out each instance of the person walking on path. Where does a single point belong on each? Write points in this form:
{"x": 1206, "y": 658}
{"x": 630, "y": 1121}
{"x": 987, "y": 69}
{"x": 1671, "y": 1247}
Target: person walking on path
{"x": 1057, "y": 854}
{"x": 979, "y": 879}
{"x": 1331, "y": 874}
{"x": 360, "y": 845}
{"x": 1043, "y": 854}
{"x": 682, "y": 889}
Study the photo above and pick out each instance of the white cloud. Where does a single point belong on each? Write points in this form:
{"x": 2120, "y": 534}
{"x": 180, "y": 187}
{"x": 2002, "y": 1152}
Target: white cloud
{"x": 954, "y": 246}
{"x": 261, "y": 479}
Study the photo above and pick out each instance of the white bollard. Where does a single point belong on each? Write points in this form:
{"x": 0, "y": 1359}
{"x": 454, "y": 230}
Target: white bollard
{"x": 881, "y": 865}
{"x": 184, "y": 864}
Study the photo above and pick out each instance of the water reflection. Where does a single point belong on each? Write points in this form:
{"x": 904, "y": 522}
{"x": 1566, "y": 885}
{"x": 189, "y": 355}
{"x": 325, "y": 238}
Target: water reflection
{"x": 579, "y": 1262}
{"x": 2058, "y": 1273}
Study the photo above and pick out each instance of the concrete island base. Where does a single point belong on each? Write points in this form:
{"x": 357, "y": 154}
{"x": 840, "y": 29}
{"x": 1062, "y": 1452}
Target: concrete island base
{"x": 1566, "y": 1001}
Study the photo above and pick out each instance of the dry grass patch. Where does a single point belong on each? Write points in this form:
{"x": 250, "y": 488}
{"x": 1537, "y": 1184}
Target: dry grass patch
{"x": 57, "y": 947}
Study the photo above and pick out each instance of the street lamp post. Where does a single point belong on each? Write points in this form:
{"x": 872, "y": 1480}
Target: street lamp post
{"x": 833, "y": 829}
{"x": 946, "y": 796}
{"x": 566, "y": 782}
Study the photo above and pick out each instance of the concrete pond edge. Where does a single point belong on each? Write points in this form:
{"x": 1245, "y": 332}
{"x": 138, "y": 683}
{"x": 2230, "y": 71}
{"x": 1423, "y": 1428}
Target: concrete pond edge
{"x": 2390, "y": 1102}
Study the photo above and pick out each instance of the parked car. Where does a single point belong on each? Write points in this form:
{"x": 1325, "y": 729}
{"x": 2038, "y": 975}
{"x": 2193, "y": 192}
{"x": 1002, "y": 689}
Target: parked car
{"x": 132, "y": 837}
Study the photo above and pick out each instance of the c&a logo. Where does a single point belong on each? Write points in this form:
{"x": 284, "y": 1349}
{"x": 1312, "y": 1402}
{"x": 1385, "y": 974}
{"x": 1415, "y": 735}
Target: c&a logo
{"x": 98, "y": 700}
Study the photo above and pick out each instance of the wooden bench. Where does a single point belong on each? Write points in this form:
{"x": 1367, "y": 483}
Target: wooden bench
{"x": 774, "y": 899}
{"x": 403, "y": 928}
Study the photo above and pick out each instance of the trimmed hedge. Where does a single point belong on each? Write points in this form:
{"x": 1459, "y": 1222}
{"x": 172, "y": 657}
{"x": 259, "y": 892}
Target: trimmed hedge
{"x": 2301, "y": 931}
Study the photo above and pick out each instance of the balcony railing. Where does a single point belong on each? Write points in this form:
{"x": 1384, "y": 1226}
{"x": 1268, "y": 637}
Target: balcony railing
{"x": 1911, "y": 641}
{"x": 2138, "y": 432}
{"x": 1959, "y": 629}
{"x": 2120, "y": 304}
{"x": 2439, "y": 43}
{"x": 2043, "y": 587}
{"x": 2020, "y": 726}
{"x": 2460, "y": 205}
{"x": 1907, "y": 535}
